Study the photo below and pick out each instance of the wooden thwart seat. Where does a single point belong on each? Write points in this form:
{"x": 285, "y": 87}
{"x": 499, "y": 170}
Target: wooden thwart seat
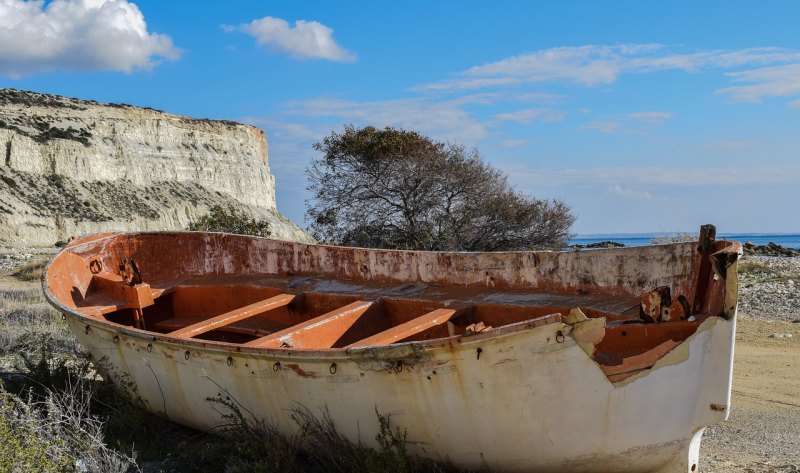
{"x": 233, "y": 316}
{"x": 259, "y": 328}
{"x": 319, "y": 332}
{"x": 403, "y": 331}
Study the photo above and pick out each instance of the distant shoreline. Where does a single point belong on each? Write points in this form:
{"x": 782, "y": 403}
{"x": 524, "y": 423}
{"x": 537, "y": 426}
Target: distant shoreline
{"x": 788, "y": 240}
{"x": 661, "y": 234}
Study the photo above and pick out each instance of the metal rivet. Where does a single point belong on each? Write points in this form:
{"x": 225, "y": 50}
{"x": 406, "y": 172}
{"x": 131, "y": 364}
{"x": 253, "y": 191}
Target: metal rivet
{"x": 116, "y": 339}
{"x": 276, "y": 366}
{"x": 332, "y": 369}
{"x": 186, "y": 355}
{"x": 230, "y": 361}
{"x": 149, "y": 347}
{"x": 559, "y": 337}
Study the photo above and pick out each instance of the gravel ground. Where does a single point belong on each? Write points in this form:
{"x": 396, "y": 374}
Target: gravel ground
{"x": 11, "y": 258}
{"x": 769, "y": 288}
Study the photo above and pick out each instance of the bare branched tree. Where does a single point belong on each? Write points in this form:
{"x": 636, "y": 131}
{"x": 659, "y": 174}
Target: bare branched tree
{"x": 394, "y": 188}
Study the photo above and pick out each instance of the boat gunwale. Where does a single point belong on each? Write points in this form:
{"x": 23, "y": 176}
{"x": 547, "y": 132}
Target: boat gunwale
{"x": 395, "y": 350}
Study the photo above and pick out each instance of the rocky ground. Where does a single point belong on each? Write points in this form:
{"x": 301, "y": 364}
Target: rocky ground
{"x": 12, "y": 258}
{"x": 770, "y": 288}
{"x": 763, "y": 432}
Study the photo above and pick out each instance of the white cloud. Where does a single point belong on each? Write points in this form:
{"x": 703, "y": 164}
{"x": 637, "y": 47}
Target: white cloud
{"x": 441, "y": 120}
{"x": 650, "y": 117}
{"x": 668, "y": 176}
{"x": 78, "y": 35}
{"x": 515, "y": 143}
{"x": 466, "y": 84}
{"x": 527, "y": 116}
{"x": 603, "y": 126}
{"x": 775, "y": 71}
{"x": 587, "y": 65}
{"x": 620, "y": 191}
{"x": 731, "y": 145}
{"x": 775, "y": 81}
{"x": 304, "y": 40}
{"x": 628, "y": 123}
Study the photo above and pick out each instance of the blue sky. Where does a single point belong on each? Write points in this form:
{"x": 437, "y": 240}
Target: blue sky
{"x": 643, "y": 117}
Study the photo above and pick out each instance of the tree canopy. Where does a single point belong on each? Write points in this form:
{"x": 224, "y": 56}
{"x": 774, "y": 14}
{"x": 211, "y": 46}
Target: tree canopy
{"x": 392, "y": 188}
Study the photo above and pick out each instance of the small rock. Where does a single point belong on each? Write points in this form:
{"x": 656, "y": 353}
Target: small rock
{"x": 781, "y": 335}
{"x": 605, "y": 244}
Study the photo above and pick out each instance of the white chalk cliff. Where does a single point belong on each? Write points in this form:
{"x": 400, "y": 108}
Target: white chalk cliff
{"x": 70, "y": 167}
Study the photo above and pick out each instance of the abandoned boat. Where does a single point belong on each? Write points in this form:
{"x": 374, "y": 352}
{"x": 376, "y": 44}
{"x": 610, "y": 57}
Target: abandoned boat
{"x": 599, "y": 360}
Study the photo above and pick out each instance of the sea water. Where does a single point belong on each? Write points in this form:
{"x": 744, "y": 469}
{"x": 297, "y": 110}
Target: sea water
{"x": 642, "y": 239}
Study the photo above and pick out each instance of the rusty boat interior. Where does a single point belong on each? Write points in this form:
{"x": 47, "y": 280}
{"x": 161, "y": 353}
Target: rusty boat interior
{"x": 241, "y": 292}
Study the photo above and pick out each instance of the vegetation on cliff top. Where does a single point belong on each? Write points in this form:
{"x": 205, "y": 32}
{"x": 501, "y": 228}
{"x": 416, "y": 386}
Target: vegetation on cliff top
{"x": 230, "y": 221}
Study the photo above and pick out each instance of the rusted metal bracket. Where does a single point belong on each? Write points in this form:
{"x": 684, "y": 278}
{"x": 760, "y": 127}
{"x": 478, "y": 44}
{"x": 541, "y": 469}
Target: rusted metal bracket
{"x": 129, "y": 271}
{"x": 659, "y": 306}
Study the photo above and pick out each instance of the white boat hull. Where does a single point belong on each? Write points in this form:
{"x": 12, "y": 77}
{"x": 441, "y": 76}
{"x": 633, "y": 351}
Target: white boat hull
{"x": 517, "y": 401}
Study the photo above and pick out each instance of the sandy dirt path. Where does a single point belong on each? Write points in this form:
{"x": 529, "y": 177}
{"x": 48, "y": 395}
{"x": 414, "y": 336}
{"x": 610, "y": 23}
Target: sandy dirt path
{"x": 763, "y": 432}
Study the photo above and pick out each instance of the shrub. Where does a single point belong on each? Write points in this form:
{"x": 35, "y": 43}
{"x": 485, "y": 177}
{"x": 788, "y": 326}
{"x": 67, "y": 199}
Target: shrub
{"x": 31, "y": 271}
{"x": 220, "y": 220}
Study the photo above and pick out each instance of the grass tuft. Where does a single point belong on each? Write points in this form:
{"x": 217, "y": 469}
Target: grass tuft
{"x": 31, "y": 270}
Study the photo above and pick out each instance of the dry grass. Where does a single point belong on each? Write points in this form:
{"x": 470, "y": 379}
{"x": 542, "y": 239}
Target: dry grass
{"x": 28, "y": 323}
{"x": 32, "y": 270}
{"x": 315, "y": 447}
{"x": 56, "y": 432}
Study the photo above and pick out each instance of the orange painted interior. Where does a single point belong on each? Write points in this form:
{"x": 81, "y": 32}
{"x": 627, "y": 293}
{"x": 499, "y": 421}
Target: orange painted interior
{"x": 187, "y": 293}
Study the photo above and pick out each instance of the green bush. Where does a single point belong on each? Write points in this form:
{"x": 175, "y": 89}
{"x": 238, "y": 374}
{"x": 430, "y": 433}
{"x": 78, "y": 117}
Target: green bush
{"x": 23, "y": 446}
{"x": 232, "y": 221}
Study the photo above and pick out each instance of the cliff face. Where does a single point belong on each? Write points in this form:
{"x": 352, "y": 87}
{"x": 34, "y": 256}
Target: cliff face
{"x": 70, "y": 167}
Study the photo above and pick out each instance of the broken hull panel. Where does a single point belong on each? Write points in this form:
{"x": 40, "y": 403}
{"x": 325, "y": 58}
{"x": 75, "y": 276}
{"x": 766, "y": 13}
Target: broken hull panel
{"x": 525, "y": 396}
